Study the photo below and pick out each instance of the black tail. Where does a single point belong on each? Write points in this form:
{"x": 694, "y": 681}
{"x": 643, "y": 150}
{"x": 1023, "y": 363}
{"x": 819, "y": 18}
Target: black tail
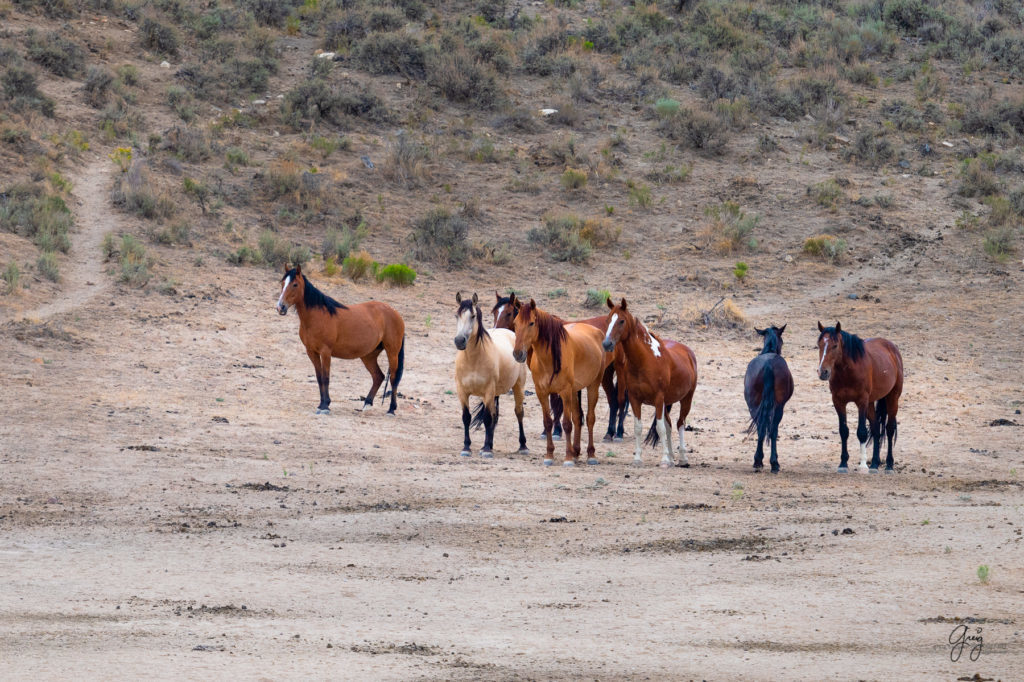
{"x": 478, "y": 417}
{"x": 882, "y": 417}
{"x": 398, "y": 373}
{"x": 653, "y": 438}
{"x": 762, "y": 419}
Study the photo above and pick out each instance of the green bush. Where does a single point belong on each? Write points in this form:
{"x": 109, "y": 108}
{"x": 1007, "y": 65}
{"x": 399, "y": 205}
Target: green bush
{"x": 574, "y": 178}
{"x": 159, "y": 38}
{"x": 339, "y": 244}
{"x": 440, "y": 237}
{"x": 392, "y": 53}
{"x": 666, "y": 107}
{"x": 134, "y": 263}
{"x": 48, "y": 266}
{"x": 827, "y": 194}
{"x": 21, "y": 88}
{"x": 33, "y": 213}
{"x": 244, "y": 255}
{"x": 97, "y": 85}
{"x": 826, "y": 246}
{"x": 357, "y": 266}
{"x": 729, "y": 227}
{"x": 12, "y": 275}
{"x": 596, "y": 298}
{"x": 55, "y": 53}
{"x": 461, "y": 78}
{"x": 273, "y": 251}
{"x": 870, "y": 148}
{"x": 560, "y": 237}
{"x": 397, "y": 275}
{"x": 976, "y": 180}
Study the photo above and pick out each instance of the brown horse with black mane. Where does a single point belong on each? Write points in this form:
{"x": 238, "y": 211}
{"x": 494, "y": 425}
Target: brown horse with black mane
{"x": 331, "y": 329}
{"x": 564, "y": 358}
{"x": 505, "y": 310}
{"x": 868, "y": 373}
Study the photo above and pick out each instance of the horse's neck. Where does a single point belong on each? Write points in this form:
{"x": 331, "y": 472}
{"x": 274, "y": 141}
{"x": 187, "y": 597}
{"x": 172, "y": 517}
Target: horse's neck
{"x": 640, "y": 340}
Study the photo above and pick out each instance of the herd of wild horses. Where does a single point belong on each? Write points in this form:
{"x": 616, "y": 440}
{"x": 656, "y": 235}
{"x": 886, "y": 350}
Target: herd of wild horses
{"x": 615, "y": 351}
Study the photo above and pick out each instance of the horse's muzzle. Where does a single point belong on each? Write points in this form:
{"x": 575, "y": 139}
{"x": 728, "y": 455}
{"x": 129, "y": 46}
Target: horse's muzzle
{"x": 519, "y": 355}
{"x": 282, "y": 309}
{"x": 608, "y": 345}
{"x": 824, "y": 374}
{"x": 460, "y": 342}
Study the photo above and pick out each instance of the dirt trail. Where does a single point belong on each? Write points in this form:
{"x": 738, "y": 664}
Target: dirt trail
{"x": 83, "y": 277}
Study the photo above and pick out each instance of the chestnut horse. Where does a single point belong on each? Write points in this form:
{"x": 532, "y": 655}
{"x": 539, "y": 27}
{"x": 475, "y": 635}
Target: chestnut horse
{"x": 767, "y": 386}
{"x": 484, "y": 367}
{"x": 505, "y": 310}
{"x": 656, "y": 372}
{"x": 868, "y": 373}
{"x": 331, "y": 329}
{"x": 564, "y": 359}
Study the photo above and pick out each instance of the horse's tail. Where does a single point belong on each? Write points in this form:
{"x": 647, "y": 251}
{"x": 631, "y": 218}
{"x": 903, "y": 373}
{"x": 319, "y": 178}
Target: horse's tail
{"x": 761, "y": 421}
{"x": 478, "y": 416}
{"x": 398, "y": 373}
{"x": 653, "y": 438}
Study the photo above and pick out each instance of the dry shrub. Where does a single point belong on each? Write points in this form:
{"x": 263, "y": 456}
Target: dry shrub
{"x": 406, "y": 162}
{"x": 283, "y": 178}
{"x": 600, "y": 232}
{"x": 825, "y": 246}
{"x": 724, "y": 314}
{"x": 729, "y": 228}
{"x": 357, "y": 266}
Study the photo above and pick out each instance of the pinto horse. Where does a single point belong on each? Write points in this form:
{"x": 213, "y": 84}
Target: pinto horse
{"x": 868, "y": 373}
{"x": 564, "y": 358}
{"x": 484, "y": 367}
{"x": 331, "y": 329}
{"x": 767, "y": 386}
{"x": 505, "y": 310}
{"x": 655, "y": 372}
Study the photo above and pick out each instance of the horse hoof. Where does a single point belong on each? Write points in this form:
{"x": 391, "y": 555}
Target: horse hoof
{"x": 593, "y": 461}
{"x": 890, "y": 470}
{"x": 570, "y": 463}
{"x": 608, "y": 439}
{"x": 487, "y": 454}
{"x": 524, "y": 451}
{"x": 758, "y": 468}
{"x": 556, "y": 436}
{"x": 323, "y": 410}
{"x": 683, "y": 465}
{"x": 391, "y": 413}
{"x": 842, "y": 470}
{"x": 618, "y": 439}
{"x": 873, "y": 470}
{"x": 548, "y": 462}
{"x": 466, "y": 453}
{"x": 775, "y": 470}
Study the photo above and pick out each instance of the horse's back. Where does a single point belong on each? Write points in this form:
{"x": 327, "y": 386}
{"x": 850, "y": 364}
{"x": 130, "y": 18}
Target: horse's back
{"x": 684, "y": 361}
{"x": 886, "y": 366}
{"x": 590, "y": 358}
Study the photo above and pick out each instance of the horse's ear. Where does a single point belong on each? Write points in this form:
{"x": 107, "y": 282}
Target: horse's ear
{"x": 838, "y": 328}
{"x": 511, "y": 298}
{"x": 760, "y": 332}
{"x": 608, "y": 302}
{"x": 475, "y": 298}
{"x": 298, "y": 269}
{"x": 497, "y": 296}
{"x": 532, "y": 304}
{"x": 820, "y": 328}
{"x": 458, "y": 297}
{"x": 622, "y": 303}
{"x": 782, "y": 329}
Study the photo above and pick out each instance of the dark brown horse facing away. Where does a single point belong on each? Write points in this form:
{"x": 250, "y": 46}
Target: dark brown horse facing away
{"x": 505, "y": 310}
{"x": 869, "y": 373}
{"x": 767, "y": 386}
{"x": 330, "y": 329}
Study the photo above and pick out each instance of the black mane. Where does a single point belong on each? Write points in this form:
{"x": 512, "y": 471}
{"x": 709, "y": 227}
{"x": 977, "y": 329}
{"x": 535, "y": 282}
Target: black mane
{"x": 772, "y": 343}
{"x": 467, "y": 304}
{"x": 313, "y": 297}
{"x": 853, "y": 345}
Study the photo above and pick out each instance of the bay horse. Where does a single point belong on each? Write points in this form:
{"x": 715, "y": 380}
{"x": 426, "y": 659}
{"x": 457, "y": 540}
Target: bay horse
{"x": 564, "y": 358}
{"x": 331, "y": 329}
{"x": 868, "y": 373}
{"x": 656, "y": 372}
{"x": 484, "y": 367}
{"x": 505, "y": 310}
{"x": 767, "y": 387}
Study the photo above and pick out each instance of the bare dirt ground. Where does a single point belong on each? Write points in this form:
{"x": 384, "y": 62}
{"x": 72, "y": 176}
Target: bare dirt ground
{"x": 171, "y": 507}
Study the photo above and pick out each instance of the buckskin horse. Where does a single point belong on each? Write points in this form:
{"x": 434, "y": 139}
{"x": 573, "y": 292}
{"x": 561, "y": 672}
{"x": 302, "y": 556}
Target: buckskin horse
{"x": 485, "y": 367}
{"x": 868, "y": 373}
{"x": 767, "y": 386}
{"x": 331, "y": 329}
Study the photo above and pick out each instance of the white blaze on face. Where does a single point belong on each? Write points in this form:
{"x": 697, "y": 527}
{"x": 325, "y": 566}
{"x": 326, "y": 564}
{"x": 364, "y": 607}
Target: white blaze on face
{"x": 611, "y": 326}
{"x": 500, "y": 311}
{"x": 280, "y": 300}
{"x": 824, "y": 351}
{"x": 464, "y": 326}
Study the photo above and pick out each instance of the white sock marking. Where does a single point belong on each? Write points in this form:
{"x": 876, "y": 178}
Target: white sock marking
{"x": 638, "y": 431}
{"x": 682, "y": 444}
{"x": 863, "y": 455}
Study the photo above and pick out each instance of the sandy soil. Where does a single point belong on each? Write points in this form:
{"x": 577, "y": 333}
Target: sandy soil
{"x": 171, "y": 507}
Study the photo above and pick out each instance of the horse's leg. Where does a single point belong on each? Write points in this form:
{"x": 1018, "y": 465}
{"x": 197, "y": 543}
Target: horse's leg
{"x": 663, "y": 432}
{"x": 863, "y": 433}
{"x": 466, "y": 419}
{"x": 395, "y": 361}
{"x": 877, "y": 425}
{"x": 776, "y": 419}
{"x": 318, "y": 369}
{"x": 370, "y": 361}
{"x": 570, "y": 405}
{"x": 545, "y": 409}
{"x": 612, "y": 395}
{"x": 891, "y": 408}
{"x": 593, "y": 392}
{"x": 623, "y": 411}
{"x": 844, "y": 434}
{"x": 517, "y": 391}
{"x": 490, "y": 415}
{"x": 638, "y": 432}
{"x": 556, "y": 410}
{"x": 684, "y": 412}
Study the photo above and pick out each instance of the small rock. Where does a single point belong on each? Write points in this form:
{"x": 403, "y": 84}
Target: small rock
{"x": 852, "y": 297}
{"x": 788, "y": 258}
{"x": 259, "y": 101}
{"x": 946, "y": 143}
{"x": 366, "y": 161}
{"x": 165, "y": 65}
{"x": 325, "y": 55}
{"x": 548, "y": 112}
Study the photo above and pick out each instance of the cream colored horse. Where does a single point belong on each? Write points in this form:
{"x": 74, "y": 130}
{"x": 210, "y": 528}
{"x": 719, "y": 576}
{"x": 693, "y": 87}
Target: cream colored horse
{"x": 484, "y": 367}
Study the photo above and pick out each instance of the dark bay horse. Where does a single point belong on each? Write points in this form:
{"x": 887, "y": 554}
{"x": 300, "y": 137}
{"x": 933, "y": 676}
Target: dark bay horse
{"x": 505, "y": 310}
{"x": 331, "y": 329}
{"x": 767, "y": 387}
{"x": 564, "y": 358}
{"x": 868, "y": 373}
{"x": 656, "y": 372}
